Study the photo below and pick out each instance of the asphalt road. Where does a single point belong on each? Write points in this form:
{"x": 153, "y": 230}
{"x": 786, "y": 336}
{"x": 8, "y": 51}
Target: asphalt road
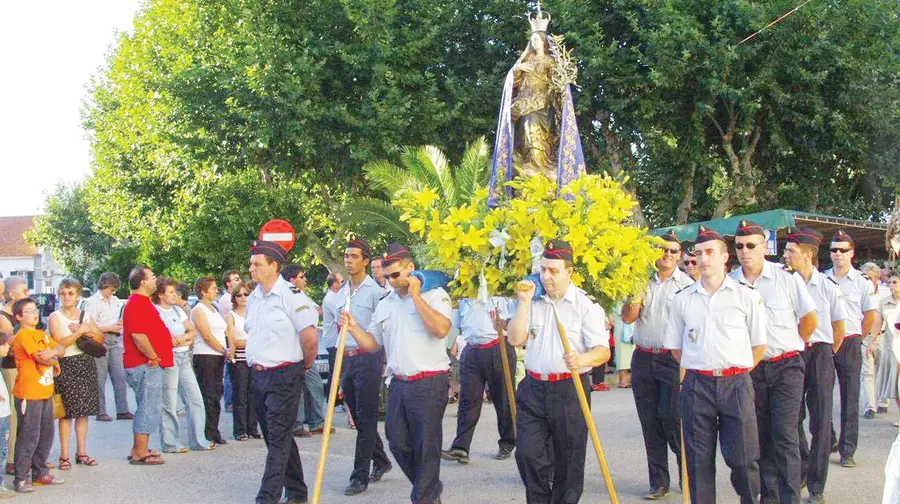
{"x": 232, "y": 473}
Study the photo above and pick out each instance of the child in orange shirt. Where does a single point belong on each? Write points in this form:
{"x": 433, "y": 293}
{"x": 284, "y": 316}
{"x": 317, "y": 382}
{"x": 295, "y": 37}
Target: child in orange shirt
{"x": 36, "y": 362}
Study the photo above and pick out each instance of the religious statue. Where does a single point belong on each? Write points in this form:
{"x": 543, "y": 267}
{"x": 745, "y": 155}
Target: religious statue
{"x": 537, "y": 130}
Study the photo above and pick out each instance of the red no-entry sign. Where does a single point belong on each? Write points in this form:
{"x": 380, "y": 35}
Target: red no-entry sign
{"x": 279, "y": 231}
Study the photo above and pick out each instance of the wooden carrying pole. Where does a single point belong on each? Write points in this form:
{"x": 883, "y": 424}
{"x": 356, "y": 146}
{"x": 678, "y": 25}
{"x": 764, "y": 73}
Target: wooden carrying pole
{"x": 507, "y": 377}
{"x": 329, "y": 414}
{"x": 586, "y": 411}
{"x": 685, "y": 484}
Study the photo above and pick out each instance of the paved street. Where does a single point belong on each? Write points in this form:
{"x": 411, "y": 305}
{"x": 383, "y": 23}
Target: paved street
{"x": 232, "y": 473}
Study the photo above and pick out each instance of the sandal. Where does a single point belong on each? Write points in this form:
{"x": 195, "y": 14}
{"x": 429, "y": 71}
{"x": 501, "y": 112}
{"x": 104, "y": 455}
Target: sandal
{"x": 242, "y": 437}
{"x": 65, "y": 464}
{"x": 83, "y": 460}
{"x": 152, "y": 452}
{"x": 148, "y": 459}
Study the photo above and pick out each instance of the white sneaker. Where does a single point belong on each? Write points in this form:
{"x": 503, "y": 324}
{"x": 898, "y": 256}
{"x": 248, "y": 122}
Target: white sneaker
{"x": 896, "y": 424}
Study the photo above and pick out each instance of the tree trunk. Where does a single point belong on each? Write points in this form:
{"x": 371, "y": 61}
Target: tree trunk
{"x": 742, "y": 190}
{"x": 687, "y": 200}
{"x": 321, "y": 252}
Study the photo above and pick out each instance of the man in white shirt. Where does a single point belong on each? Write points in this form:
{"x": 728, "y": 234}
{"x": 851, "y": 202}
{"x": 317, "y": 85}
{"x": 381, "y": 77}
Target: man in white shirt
{"x": 106, "y": 309}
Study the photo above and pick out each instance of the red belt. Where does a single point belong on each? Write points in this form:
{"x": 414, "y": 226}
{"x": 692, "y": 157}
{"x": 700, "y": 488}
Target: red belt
{"x": 257, "y": 367}
{"x": 852, "y": 336}
{"x": 354, "y": 352}
{"x": 419, "y": 376}
{"x": 551, "y": 377}
{"x": 653, "y": 350}
{"x": 732, "y": 371}
{"x": 487, "y": 345}
{"x": 785, "y": 355}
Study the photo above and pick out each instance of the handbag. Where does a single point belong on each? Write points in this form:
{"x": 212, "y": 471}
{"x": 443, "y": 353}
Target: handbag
{"x": 87, "y": 344}
{"x": 59, "y": 410}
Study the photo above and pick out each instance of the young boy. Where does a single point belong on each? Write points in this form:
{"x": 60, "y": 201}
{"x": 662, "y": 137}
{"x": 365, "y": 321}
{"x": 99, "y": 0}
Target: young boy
{"x": 5, "y": 493}
{"x": 36, "y": 362}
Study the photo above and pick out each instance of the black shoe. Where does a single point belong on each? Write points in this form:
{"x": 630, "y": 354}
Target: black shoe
{"x": 456, "y": 455}
{"x": 219, "y": 441}
{"x": 869, "y": 415}
{"x": 379, "y": 472}
{"x": 847, "y": 461}
{"x": 503, "y": 453}
{"x": 355, "y": 487}
{"x": 256, "y": 435}
{"x": 834, "y": 445}
{"x": 816, "y": 499}
{"x": 882, "y": 409}
{"x": 656, "y": 494}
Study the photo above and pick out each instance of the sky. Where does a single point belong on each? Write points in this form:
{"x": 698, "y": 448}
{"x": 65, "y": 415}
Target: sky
{"x": 49, "y": 50}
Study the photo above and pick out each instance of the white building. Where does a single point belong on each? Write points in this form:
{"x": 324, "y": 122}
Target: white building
{"x": 19, "y": 258}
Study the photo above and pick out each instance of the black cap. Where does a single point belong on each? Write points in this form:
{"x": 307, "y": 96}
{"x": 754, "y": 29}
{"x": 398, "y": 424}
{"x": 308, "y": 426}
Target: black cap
{"x": 558, "y": 249}
{"x": 705, "y": 234}
{"x": 841, "y": 236}
{"x": 749, "y": 228}
{"x": 362, "y": 245}
{"x": 270, "y": 249}
{"x": 395, "y": 252}
{"x": 805, "y": 236}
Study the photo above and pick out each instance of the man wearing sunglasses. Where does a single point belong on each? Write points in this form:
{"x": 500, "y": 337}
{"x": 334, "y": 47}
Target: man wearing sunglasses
{"x": 778, "y": 378}
{"x": 861, "y": 314}
{"x": 717, "y": 331}
{"x": 411, "y": 326}
{"x": 654, "y": 373}
{"x": 361, "y": 375}
{"x": 689, "y": 262}
{"x": 801, "y": 254}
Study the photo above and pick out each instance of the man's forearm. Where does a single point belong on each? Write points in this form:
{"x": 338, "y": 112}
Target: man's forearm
{"x": 143, "y": 344}
{"x": 364, "y": 339}
{"x": 596, "y": 356}
{"x": 517, "y": 334}
{"x": 435, "y": 322}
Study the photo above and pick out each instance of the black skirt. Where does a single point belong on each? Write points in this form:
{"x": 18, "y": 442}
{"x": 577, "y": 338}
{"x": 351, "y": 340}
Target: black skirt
{"x": 77, "y": 382}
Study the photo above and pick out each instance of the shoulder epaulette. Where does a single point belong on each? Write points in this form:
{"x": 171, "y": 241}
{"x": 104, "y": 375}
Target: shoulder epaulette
{"x": 295, "y": 289}
{"x": 386, "y": 294}
{"x": 681, "y": 289}
{"x": 832, "y": 280}
{"x": 745, "y": 284}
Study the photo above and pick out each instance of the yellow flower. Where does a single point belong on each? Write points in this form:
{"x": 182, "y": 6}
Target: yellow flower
{"x": 425, "y": 198}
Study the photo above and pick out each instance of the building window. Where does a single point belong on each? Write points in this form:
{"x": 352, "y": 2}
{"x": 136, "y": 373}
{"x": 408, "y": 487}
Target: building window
{"x": 27, "y": 275}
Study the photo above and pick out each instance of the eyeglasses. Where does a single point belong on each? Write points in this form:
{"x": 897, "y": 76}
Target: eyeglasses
{"x": 240, "y": 295}
{"x": 750, "y": 246}
{"x": 672, "y": 251}
{"x": 30, "y": 310}
{"x": 690, "y": 263}
{"x": 835, "y": 250}
{"x": 395, "y": 275}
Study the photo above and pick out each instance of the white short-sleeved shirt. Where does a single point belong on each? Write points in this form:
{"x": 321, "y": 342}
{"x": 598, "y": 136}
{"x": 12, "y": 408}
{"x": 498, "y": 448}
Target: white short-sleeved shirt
{"x": 223, "y": 305}
{"x": 650, "y": 326}
{"x": 830, "y": 306}
{"x": 719, "y": 330}
{"x": 174, "y": 319}
{"x": 5, "y": 409}
{"x": 363, "y": 302}
{"x": 787, "y": 300}
{"x": 585, "y": 324}
{"x": 409, "y": 347}
{"x": 105, "y": 312}
{"x": 859, "y": 297}
{"x": 274, "y": 322}
{"x": 72, "y": 349}
{"x": 474, "y": 319}
{"x": 330, "y": 314}
{"x": 217, "y": 328}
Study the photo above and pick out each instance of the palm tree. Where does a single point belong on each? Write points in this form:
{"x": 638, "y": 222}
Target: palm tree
{"x": 421, "y": 167}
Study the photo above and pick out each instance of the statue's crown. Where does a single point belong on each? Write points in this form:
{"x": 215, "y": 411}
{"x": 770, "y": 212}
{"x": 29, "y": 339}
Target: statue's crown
{"x": 539, "y": 21}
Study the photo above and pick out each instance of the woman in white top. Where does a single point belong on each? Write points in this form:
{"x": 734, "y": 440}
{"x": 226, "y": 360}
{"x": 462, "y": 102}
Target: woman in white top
{"x": 243, "y": 414}
{"x": 209, "y": 354}
{"x": 77, "y": 380}
{"x": 179, "y": 380}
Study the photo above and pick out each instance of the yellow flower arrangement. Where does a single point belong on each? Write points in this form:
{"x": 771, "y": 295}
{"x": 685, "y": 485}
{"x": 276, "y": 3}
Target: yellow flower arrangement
{"x": 612, "y": 259}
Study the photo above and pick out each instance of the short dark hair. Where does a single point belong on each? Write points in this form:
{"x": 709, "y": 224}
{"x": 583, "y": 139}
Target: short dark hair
{"x": 290, "y": 271}
{"x": 184, "y": 290}
{"x": 226, "y": 278}
{"x": 162, "y": 283}
{"x": 109, "y": 279}
{"x": 69, "y": 283}
{"x": 331, "y": 279}
{"x": 812, "y": 249}
{"x": 137, "y": 275}
{"x": 19, "y": 306}
{"x": 202, "y": 284}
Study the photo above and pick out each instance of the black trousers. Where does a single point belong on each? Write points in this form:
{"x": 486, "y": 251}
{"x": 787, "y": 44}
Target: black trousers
{"x": 210, "y": 370}
{"x": 477, "y": 367}
{"x": 720, "y": 406}
{"x": 415, "y": 410}
{"x": 778, "y": 387}
{"x": 818, "y": 387}
{"x": 34, "y": 439}
{"x": 276, "y": 396}
{"x": 551, "y": 441}
{"x": 361, "y": 380}
{"x": 847, "y": 365}
{"x": 244, "y": 415}
{"x": 655, "y": 384}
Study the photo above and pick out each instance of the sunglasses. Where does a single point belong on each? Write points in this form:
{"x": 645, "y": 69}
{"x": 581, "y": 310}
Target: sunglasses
{"x": 672, "y": 251}
{"x": 835, "y": 250}
{"x": 395, "y": 275}
{"x": 750, "y": 246}
{"x": 240, "y": 295}
{"x": 690, "y": 263}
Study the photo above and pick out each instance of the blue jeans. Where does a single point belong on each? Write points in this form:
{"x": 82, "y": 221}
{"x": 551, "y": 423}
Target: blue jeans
{"x": 4, "y": 435}
{"x": 147, "y": 383}
{"x": 180, "y": 381}
{"x": 229, "y": 388}
{"x": 311, "y": 410}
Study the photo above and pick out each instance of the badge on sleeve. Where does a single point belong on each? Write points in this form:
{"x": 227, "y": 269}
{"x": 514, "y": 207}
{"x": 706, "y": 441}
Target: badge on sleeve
{"x": 300, "y": 309}
{"x": 692, "y": 335}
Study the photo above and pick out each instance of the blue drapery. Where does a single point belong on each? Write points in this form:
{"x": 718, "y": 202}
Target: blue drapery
{"x": 570, "y": 161}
